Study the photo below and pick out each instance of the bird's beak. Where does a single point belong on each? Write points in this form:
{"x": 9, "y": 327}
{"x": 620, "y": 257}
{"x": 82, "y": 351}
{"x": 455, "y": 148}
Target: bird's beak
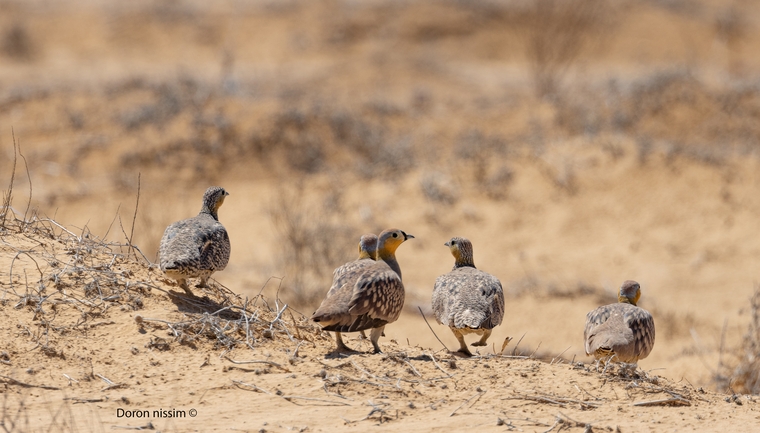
{"x": 407, "y": 236}
{"x": 447, "y": 244}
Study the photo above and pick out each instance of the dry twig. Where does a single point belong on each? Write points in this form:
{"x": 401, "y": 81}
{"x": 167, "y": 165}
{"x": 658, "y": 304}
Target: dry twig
{"x": 11, "y": 381}
{"x": 478, "y": 395}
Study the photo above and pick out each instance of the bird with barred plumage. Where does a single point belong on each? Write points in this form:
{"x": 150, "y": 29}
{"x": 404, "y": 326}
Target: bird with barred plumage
{"x": 467, "y": 300}
{"x": 196, "y": 247}
{"x": 365, "y": 294}
{"x": 621, "y": 332}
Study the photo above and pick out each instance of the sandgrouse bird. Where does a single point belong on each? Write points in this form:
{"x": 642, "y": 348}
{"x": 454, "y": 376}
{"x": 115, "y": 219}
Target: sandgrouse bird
{"x": 467, "y": 300}
{"x": 620, "y": 332}
{"x": 196, "y": 247}
{"x": 365, "y": 294}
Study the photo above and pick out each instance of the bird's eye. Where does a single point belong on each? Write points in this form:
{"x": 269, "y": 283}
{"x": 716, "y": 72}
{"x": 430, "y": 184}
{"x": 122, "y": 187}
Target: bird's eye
{"x": 395, "y": 235}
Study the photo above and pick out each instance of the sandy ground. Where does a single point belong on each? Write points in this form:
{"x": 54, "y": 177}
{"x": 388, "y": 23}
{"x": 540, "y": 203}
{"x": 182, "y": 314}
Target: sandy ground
{"x": 135, "y": 353}
{"x": 326, "y": 120}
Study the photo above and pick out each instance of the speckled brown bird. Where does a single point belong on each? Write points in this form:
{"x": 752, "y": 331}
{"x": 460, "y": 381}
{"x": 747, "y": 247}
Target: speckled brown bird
{"x": 467, "y": 300}
{"x": 344, "y": 279}
{"x": 620, "y": 332}
{"x": 370, "y": 297}
{"x": 196, "y": 247}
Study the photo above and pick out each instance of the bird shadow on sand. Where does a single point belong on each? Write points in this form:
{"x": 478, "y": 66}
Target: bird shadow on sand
{"x": 343, "y": 354}
{"x": 195, "y": 304}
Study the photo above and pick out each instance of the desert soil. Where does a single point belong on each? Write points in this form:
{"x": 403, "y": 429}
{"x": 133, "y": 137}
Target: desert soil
{"x": 329, "y": 119}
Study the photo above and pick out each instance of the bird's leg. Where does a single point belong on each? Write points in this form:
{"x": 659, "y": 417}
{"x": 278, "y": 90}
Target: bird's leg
{"x": 363, "y": 336}
{"x": 183, "y": 284}
{"x": 203, "y": 281}
{"x": 342, "y": 346}
{"x": 482, "y": 342}
{"x": 597, "y": 362}
{"x": 462, "y": 345}
{"x": 628, "y": 369}
{"x": 607, "y": 363}
{"x": 374, "y": 335}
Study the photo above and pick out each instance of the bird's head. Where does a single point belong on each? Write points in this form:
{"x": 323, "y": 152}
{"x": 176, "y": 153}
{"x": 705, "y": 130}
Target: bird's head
{"x": 213, "y": 199}
{"x": 630, "y": 292}
{"x": 389, "y": 240}
{"x": 368, "y": 247}
{"x": 461, "y": 249}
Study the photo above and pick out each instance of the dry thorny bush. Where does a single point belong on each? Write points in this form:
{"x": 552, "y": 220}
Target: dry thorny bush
{"x": 557, "y": 31}
{"x": 315, "y": 239}
{"x": 742, "y": 374}
{"x": 80, "y": 278}
{"x": 71, "y": 282}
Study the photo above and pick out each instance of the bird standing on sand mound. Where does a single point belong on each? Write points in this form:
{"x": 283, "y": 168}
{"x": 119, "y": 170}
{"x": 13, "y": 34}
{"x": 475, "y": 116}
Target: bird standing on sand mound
{"x": 621, "y": 332}
{"x": 344, "y": 279}
{"x": 197, "y": 246}
{"x": 369, "y": 296}
{"x": 467, "y": 299}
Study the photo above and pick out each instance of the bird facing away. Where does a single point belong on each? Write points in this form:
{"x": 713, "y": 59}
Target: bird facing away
{"x": 197, "y": 246}
{"x": 467, "y": 299}
{"x": 344, "y": 279}
{"x": 620, "y": 332}
{"x": 369, "y": 295}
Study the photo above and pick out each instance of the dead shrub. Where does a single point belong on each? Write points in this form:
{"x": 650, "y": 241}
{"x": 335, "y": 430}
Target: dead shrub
{"x": 557, "y": 31}
{"x": 439, "y": 188}
{"x": 313, "y": 140}
{"x": 731, "y": 27}
{"x": 16, "y": 43}
{"x": 743, "y": 375}
{"x": 496, "y": 185}
{"x": 314, "y": 240}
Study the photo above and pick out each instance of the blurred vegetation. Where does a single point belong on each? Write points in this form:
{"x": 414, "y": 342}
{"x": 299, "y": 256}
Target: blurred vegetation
{"x": 739, "y": 368}
{"x": 313, "y": 238}
{"x": 455, "y": 95}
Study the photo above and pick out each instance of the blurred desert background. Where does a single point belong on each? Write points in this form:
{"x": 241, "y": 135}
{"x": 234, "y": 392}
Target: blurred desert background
{"x": 577, "y": 143}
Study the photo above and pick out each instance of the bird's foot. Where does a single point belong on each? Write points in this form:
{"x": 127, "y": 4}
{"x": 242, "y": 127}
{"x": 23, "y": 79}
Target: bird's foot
{"x": 465, "y": 352}
{"x": 183, "y": 285}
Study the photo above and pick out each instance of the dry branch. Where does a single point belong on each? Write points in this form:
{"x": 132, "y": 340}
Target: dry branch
{"x": 556, "y": 400}
{"x": 289, "y": 398}
{"x": 478, "y": 395}
{"x": 672, "y": 401}
{"x": 273, "y": 364}
{"x": 375, "y": 409}
{"x": 431, "y": 329}
{"x": 12, "y": 381}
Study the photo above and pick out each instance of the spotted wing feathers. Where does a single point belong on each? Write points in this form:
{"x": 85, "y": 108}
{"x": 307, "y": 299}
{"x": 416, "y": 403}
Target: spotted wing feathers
{"x": 194, "y": 246}
{"x": 379, "y": 294}
{"x": 334, "y": 307}
{"x": 621, "y": 329}
{"x": 468, "y": 298}
{"x": 370, "y": 297}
